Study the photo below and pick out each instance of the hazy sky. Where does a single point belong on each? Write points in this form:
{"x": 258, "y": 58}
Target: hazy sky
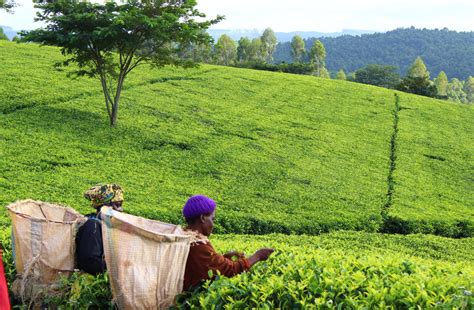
{"x": 314, "y": 15}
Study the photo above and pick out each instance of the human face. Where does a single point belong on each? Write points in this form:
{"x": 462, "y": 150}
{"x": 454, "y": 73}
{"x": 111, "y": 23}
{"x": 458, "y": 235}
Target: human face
{"x": 117, "y": 206}
{"x": 208, "y": 223}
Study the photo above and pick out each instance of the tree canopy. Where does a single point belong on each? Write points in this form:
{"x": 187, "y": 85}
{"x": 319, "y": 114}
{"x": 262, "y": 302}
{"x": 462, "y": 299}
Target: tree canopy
{"x": 244, "y": 49}
{"x": 378, "y": 75}
{"x": 441, "y": 49}
{"x": 269, "y": 42}
{"x": 7, "y": 5}
{"x": 225, "y": 50}
{"x": 469, "y": 89}
{"x": 297, "y": 48}
{"x": 109, "y": 40}
{"x": 317, "y": 57}
{"x": 417, "y": 80}
{"x": 418, "y": 69}
{"x": 455, "y": 91}
{"x": 441, "y": 83}
{"x": 341, "y": 75}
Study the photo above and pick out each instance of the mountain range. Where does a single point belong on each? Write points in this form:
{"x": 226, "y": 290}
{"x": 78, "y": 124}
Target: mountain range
{"x": 236, "y": 34}
{"x": 10, "y": 32}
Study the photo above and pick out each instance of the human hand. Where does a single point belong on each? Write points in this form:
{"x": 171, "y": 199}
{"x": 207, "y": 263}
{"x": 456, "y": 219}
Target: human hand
{"x": 260, "y": 255}
{"x": 264, "y": 253}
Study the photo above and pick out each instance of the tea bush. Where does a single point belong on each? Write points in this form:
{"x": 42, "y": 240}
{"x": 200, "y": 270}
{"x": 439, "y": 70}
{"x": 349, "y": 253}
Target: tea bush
{"x": 300, "y": 276}
{"x": 347, "y": 269}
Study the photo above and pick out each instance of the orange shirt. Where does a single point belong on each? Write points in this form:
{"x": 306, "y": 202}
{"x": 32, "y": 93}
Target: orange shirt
{"x": 202, "y": 257}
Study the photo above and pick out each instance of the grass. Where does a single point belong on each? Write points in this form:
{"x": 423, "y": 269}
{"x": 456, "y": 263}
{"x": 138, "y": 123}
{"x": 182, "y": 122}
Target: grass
{"x": 279, "y": 153}
{"x": 274, "y": 150}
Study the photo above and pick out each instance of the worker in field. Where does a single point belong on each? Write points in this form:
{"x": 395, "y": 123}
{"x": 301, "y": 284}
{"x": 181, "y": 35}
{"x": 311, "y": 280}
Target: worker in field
{"x": 89, "y": 246}
{"x": 199, "y": 212}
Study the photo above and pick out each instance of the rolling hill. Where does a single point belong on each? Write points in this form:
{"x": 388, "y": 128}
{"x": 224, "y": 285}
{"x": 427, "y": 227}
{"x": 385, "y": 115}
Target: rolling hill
{"x": 279, "y": 153}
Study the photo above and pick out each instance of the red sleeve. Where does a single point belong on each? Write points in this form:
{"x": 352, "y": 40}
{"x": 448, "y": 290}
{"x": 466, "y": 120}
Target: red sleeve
{"x": 203, "y": 257}
{"x": 227, "y": 267}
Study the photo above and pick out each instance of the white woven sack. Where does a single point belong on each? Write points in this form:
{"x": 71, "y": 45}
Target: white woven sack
{"x": 145, "y": 260}
{"x": 43, "y": 239}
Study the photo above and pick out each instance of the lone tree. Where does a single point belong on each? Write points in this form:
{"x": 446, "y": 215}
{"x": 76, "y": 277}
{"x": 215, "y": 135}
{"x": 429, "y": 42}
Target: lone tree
{"x": 108, "y": 40}
{"x": 469, "y": 89}
{"x": 418, "y": 81}
{"x": 243, "y": 49}
{"x": 341, "y": 75}
{"x": 269, "y": 42}
{"x": 297, "y": 48}
{"x": 225, "y": 50}
{"x": 378, "y": 75}
{"x": 441, "y": 83}
{"x": 317, "y": 58}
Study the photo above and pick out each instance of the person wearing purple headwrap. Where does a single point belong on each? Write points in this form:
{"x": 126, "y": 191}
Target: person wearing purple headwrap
{"x": 199, "y": 212}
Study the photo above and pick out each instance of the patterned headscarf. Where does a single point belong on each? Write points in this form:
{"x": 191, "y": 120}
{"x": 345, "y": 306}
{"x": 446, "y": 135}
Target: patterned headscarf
{"x": 104, "y": 193}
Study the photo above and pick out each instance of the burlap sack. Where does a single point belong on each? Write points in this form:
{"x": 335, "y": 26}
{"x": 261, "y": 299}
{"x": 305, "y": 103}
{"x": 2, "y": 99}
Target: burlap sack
{"x": 43, "y": 239}
{"x": 145, "y": 260}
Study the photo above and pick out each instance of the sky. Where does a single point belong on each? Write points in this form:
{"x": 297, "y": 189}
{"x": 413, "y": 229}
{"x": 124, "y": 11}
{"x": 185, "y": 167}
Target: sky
{"x": 312, "y": 15}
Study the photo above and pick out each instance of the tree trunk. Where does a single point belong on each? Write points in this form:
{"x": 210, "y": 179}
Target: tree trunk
{"x": 113, "y": 116}
{"x": 108, "y": 101}
{"x": 115, "y": 105}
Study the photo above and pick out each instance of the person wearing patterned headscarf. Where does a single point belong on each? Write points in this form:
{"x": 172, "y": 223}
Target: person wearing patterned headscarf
{"x": 89, "y": 246}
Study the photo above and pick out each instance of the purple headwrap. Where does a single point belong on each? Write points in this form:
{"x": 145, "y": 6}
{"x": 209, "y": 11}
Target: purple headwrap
{"x": 197, "y": 205}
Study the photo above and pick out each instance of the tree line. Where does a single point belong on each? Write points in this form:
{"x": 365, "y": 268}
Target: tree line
{"x": 258, "y": 53}
{"x": 441, "y": 49}
{"x": 417, "y": 81}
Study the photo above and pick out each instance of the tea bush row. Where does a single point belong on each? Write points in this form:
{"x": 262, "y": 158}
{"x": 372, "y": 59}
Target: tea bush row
{"x": 346, "y": 269}
{"x": 302, "y": 277}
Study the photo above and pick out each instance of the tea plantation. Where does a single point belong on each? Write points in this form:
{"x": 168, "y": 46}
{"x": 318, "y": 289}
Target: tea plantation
{"x": 279, "y": 153}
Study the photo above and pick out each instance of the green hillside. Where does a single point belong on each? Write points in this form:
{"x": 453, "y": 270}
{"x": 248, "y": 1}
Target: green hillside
{"x": 279, "y": 153}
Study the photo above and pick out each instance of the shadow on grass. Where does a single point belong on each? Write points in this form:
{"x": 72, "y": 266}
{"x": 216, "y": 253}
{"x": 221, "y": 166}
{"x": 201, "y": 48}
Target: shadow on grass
{"x": 175, "y": 78}
{"x": 70, "y": 124}
{"x": 89, "y": 131}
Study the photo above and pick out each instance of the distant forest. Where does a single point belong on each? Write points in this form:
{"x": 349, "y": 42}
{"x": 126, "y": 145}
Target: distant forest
{"x": 441, "y": 50}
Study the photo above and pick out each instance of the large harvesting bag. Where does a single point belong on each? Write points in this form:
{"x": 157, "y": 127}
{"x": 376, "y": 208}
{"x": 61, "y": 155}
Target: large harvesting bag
{"x": 145, "y": 259}
{"x": 43, "y": 239}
